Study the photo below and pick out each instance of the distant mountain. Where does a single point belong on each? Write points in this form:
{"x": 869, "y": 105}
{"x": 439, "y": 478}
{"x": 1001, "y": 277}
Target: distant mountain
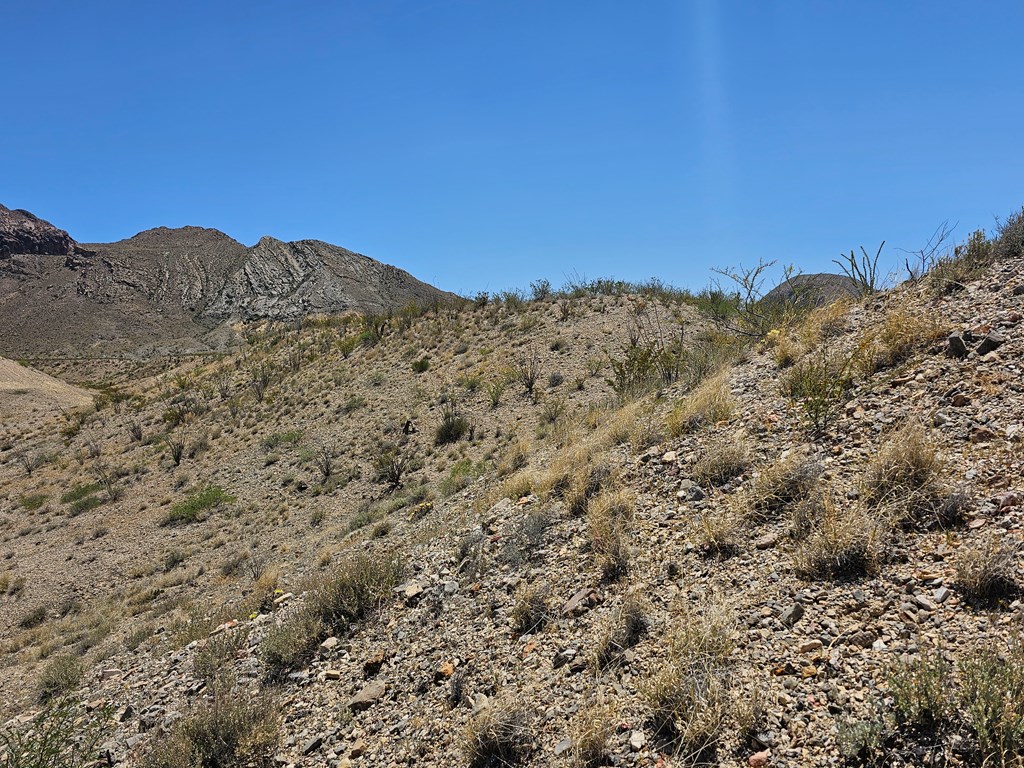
{"x": 167, "y": 290}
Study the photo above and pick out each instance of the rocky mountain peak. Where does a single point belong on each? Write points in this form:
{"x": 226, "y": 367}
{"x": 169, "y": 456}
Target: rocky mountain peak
{"x": 22, "y": 232}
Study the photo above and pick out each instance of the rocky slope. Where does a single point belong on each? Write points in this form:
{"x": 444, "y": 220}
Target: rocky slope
{"x": 174, "y": 290}
{"x": 734, "y": 568}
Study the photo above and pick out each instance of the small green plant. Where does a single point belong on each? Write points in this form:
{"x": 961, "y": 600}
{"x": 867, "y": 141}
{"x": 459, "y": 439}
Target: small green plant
{"x": 79, "y": 492}
{"x": 278, "y": 439}
{"x": 862, "y": 270}
{"x": 194, "y": 507}
{"x": 819, "y": 385}
{"x": 62, "y": 735}
{"x": 421, "y": 365}
{"x": 921, "y": 691}
{"x": 992, "y": 693}
{"x": 32, "y": 501}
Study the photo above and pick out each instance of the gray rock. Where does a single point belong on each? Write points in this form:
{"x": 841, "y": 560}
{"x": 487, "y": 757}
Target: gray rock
{"x": 792, "y": 614}
{"x": 993, "y": 340}
{"x": 368, "y": 696}
{"x": 956, "y": 346}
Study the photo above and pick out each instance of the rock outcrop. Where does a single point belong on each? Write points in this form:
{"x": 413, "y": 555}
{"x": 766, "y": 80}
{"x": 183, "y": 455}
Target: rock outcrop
{"x": 167, "y": 290}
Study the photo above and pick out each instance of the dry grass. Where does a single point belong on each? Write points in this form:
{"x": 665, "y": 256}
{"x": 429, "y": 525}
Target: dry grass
{"x": 895, "y": 339}
{"x": 530, "y": 611}
{"x": 905, "y": 478}
{"x": 621, "y": 631}
{"x": 718, "y": 533}
{"x": 688, "y": 695}
{"x": 591, "y": 731}
{"x": 845, "y": 543}
{"x": 710, "y": 403}
{"x": 609, "y": 515}
{"x": 987, "y": 573}
{"x": 786, "y": 482}
{"x": 498, "y": 736}
{"x": 723, "y": 458}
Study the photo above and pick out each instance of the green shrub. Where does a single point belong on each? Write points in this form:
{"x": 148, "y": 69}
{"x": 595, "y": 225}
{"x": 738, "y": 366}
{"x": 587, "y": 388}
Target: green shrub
{"x": 33, "y": 501}
{"x": 194, "y": 507}
{"x": 921, "y": 691}
{"x": 62, "y": 735}
{"x": 277, "y": 439}
{"x": 992, "y": 693}
{"x": 421, "y": 365}
{"x": 462, "y": 473}
{"x": 819, "y": 385}
{"x": 79, "y": 492}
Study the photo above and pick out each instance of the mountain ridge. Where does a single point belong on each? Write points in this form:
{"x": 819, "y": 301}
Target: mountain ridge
{"x": 166, "y": 289}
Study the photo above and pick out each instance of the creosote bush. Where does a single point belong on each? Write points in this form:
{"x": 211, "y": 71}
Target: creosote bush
{"x": 61, "y": 735}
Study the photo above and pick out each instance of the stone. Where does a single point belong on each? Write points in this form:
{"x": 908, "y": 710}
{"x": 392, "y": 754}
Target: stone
{"x": 669, "y": 457}
{"x": 580, "y": 602}
{"x": 563, "y": 746}
{"x": 479, "y": 703}
{"x": 992, "y": 341}
{"x": 792, "y": 614}
{"x": 809, "y": 646}
{"x": 373, "y": 664}
{"x": 332, "y": 674}
{"x": 759, "y": 759}
{"x": 358, "y": 749}
{"x": 367, "y": 696}
{"x": 312, "y": 745}
{"x": 329, "y": 645}
{"x": 955, "y": 346}
{"x": 637, "y": 740}
{"x": 941, "y": 595}
{"x": 282, "y": 599}
{"x": 960, "y": 400}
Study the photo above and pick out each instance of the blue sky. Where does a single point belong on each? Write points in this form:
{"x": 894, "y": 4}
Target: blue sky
{"x": 485, "y": 144}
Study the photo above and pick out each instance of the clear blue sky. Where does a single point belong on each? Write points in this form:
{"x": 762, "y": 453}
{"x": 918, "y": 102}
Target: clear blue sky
{"x": 484, "y": 144}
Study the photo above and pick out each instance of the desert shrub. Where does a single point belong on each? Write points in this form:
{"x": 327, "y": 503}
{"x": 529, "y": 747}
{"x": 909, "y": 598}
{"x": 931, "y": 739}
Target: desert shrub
{"x": 390, "y": 464}
{"x": 530, "y": 611}
{"x": 219, "y": 653}
{"x": 1009, "y": 240}
{"x": 61, "y": 735}
{"x": 195, "y": 506}
{"x": 30, "y": 502}
{"x": 33, "y": 618}
{"x": 987, "y": 573}
{"x": 527, "y": 373}
{"x": 421, "y": 366}
{"x": 709, "y": 403}
{"x": 862, "y": 270}
{"x": 498, "y": 736}
{"x": 83, "y": 505}
{"x": 992, "y": 696}
{"x": 552, "y": 410}
{"x": 350, "y": 593}
{"x": 622, "y": 631}
{"x": 452, "y": 427}
{"x": 786, "y": 482}
{"x": 845, "y": 543}
{"x": 921, "y": 691}
{"x": 723, "y": 458}
{"x": 60, "y": 676}
{"x": 79, "y": 492}
{"x": 495, "y": 389}
{"x": 819, "y": 385}
{"x": 278, "y": 439}
{"x": 228, "y": 730}
{"x": 687, "y": 696}
{"x": 862, "y": 742}
{"x": 951, "y": 271}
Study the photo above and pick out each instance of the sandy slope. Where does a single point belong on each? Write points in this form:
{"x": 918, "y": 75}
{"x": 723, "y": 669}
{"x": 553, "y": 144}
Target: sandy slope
{"x": 23, "y": 390}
